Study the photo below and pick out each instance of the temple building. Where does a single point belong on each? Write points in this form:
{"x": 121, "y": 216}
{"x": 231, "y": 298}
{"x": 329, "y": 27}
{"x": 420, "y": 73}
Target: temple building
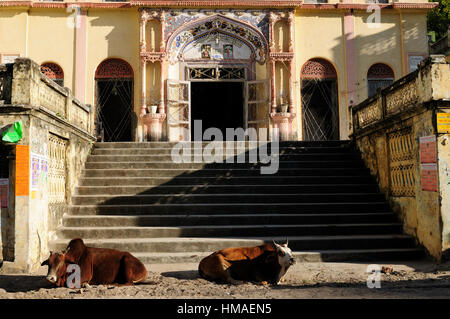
{"x": 151, "y": 68}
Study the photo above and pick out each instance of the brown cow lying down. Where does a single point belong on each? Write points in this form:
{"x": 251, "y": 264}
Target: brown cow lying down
{"x": 267, "y": 263}
{"x": 98, "y": 266}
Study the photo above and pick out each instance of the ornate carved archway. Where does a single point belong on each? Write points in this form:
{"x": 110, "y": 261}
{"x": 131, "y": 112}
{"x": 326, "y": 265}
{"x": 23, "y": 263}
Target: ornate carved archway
{"x": 53, "y": 71}
{"x": 114, "y": 69}
{"x": 218, "y": 25}
{"x": 380, "y": 71}
{"x": 318, "y": 68}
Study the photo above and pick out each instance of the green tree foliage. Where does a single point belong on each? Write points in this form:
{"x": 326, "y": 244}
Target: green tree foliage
{"x": 438, "y": 18}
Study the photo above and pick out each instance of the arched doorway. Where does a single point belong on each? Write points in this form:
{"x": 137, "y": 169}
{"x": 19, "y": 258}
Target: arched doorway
{"x": 114, "y": 96}
{"x": 213, "y": 60}
{"x": 53, "y": 71}
{"x": 379, "y": 76}
{"x": 320, "y": 106}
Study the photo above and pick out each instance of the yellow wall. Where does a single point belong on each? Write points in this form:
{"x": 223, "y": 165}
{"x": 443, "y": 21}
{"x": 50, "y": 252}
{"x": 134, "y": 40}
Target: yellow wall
{"x": 13, "y": 31}
{"x": 115, "y": 33}
{"x": 320, "y": 35}
{"x": 112, "y": 34}
{"x": 51, "y": 39}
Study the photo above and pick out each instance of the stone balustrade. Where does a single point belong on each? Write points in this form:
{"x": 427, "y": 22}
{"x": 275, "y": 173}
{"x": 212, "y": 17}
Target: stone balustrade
{"x": 397, "y": 134}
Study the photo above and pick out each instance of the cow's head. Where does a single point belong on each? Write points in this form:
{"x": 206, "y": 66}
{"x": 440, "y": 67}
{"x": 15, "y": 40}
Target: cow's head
{"x": 284, "y": 254}
{"x": 56, "y": 268}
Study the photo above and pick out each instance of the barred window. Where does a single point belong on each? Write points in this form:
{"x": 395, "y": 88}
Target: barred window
{"x": 379, "y": 76}
{"x": 54, "y": 72}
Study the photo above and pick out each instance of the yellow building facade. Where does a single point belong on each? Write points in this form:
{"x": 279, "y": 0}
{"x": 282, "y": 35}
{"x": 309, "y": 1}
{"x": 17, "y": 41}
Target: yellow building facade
{"x": 151, "y": 68}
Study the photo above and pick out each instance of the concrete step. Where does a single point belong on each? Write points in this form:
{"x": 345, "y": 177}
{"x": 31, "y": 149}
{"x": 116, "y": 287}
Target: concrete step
{"x": 224, "y": 189}
{"x": 161, "y": 172}
{"x": 214, "y": 230}
{"x": 338, "y": 143}
{"x": 225, "y": 180}
{"x": 224, "y": 150}
{"x": 233, "y": 219}
{"x": 198, "y": 166}
{"x": 230, "y": 159}
{"x": 352, "y": 255}
{"x": 308, "y": 243}
{"x": 230, "y": 208}
{"x": 224, "y": 199}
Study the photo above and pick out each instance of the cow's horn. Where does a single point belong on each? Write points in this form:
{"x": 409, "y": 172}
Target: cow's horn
{"x": 287, "y": 241}
{"x": 274, "y": 243}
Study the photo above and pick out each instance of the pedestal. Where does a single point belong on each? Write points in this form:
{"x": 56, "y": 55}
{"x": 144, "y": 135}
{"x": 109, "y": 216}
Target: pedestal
{"x": 153, "y": 126}
{"x": 283, "y": 122}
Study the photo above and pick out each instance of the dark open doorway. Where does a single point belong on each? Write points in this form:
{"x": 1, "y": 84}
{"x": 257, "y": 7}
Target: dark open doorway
{"x": 115, "y": 109}
{"x": 320, "y": 110}
{"x": 218, "y": 104}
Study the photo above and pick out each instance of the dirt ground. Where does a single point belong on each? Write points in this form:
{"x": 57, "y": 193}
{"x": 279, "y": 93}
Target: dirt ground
{"x": 304, "y": 280}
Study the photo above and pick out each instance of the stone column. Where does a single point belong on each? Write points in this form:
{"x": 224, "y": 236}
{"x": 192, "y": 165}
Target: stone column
{"x": 161, "y": 107}
{"x": 291, "y": 30}
{"x": 144, "y": 87}
{"x": 273, "y": 86}
{"x": 143, "y": 24}
{"x": 162, "y": 44}
{"x": 291, "y": 86}
{"x": 272, "y": 19}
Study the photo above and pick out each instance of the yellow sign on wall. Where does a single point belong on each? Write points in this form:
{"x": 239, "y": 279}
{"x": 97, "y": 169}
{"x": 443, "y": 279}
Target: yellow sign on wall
{"x": 443, "y": 122}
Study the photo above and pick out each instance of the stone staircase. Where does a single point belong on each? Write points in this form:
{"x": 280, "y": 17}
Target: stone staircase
{"x": 132, "y": 197}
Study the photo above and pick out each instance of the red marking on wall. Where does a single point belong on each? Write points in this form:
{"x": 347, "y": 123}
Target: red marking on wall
{"x": 429, "y": 177}
{"x": 428, "y": 149}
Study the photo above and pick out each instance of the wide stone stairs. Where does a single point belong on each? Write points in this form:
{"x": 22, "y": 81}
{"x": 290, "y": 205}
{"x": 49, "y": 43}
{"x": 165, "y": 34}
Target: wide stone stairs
{"x": 132, "y": 196}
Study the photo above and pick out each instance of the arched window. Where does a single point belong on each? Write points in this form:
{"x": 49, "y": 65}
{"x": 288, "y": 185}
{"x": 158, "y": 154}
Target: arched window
{"x": 379, "y": 76}
{"x": 320, "y": 106}
{"x": 53, "y": 71}
{"x": 114, "y": 92}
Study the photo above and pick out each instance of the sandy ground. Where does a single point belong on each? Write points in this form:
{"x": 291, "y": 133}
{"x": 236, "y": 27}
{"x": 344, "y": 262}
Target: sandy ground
{"x": 304, "y": 280}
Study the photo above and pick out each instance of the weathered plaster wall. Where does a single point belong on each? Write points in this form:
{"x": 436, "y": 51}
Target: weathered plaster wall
{"x": 443, "y": 145}
{"x": 32, "y": 218}
{"x": 426, "y": 214}
{"x": 420, "y": 214}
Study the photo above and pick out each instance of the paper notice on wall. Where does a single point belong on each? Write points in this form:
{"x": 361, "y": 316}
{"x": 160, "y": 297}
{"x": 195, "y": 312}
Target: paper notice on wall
{"x": 22, "y": 170}
{"x": 4, "y": 185}
{"x": 443, "y": 122}
{"x": 38, "y": 169}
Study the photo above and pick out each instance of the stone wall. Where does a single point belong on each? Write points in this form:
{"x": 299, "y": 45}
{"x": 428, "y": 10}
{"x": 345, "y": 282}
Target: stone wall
{"x": 57, "y": 134}
{"x": 391, "y": 129}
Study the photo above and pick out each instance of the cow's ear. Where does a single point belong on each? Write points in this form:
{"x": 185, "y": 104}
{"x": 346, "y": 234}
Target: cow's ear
{"x": 45, "y": 262}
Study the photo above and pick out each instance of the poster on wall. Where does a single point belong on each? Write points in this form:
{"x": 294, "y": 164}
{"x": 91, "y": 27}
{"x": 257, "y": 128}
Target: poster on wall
{"x": 228, "y": 51}
{"x": 39, "y": 170}
{"x": 443, "y": 122}
{"x": 206, "y": 51}
{"x": 9, "y": 58}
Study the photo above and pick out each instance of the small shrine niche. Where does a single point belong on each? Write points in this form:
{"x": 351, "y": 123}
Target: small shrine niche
{"x": 281, "y": 36}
